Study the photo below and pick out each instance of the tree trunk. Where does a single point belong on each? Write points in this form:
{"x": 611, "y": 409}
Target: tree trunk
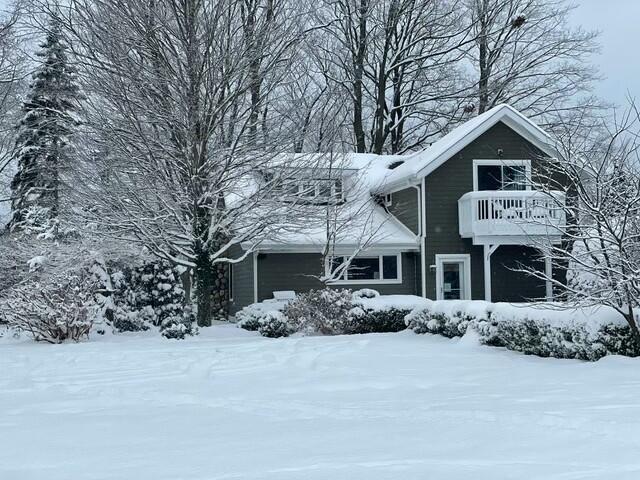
{"x": 484, "y": 67}
{"x": 358, "y": 124}
{"x": 205, "y": 276}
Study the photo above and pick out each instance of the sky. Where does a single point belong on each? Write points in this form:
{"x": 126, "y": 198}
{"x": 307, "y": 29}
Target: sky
{"x": 617, "y": 20}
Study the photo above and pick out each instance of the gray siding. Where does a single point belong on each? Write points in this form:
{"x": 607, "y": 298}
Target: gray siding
{"x": 299, "y": 272}
{"x": 510, "y": 285}
{"x": 242, "y": 280}
{"x": 443, "y": 189}
{"x": 404, "y": 206}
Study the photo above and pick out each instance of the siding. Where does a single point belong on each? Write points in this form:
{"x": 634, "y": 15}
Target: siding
{"x": 404, "y": 206}
{"x": 299, "y": 272}
{"x": 446, "y": 185}
{"x": 242, "y": 278}
{"x": 509, "y": 285}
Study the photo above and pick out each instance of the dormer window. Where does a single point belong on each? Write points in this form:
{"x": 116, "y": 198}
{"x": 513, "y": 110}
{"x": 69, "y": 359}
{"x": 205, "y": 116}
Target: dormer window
{"x": 322, "y": 190}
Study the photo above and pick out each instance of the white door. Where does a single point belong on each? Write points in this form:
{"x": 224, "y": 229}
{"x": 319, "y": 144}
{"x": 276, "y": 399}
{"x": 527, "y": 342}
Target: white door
{"x": 453, "y": 277}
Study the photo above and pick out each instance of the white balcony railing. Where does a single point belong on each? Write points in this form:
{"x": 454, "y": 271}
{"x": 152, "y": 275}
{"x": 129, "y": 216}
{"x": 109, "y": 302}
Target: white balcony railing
{"x": 518, "y": 215}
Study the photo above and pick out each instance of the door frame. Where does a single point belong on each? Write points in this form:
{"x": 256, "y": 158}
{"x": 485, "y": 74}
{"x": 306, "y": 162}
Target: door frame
{"x": 463, "y": 258}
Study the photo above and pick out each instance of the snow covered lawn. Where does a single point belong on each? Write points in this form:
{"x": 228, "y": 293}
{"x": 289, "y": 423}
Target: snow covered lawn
{"x": 233, "y": 405}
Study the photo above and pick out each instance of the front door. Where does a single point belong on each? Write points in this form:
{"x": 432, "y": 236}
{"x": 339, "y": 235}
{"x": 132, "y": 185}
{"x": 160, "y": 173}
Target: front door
{"x": 452, "y": 281}
{"x": 453, "y": 277}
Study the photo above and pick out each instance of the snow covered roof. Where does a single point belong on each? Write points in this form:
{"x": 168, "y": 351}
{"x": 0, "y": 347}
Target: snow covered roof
{"x": 422, "y": 163}
{"x": 367, "y": 175}
{"x": 359, "y": 223}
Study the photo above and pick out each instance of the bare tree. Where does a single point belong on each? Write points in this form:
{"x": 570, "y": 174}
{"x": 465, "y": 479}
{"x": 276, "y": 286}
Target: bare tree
{"x": 601, "y": 248}
{"x": 398, "y": 61}
{"x": 171, "y": 158}
{"x": 13, "y": 74}
{"x": 528, "y": 55}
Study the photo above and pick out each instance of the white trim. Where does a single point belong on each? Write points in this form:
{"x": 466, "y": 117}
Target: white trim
{"x": 501, "y": 113}
{"x": 548, "y": 272}
{"x": 341, "y": 249}
{"x": 423, "y": 240}
{"x": 487, "y": 252}
{"x": 465, "y": 259}
{"x": 380, "y": 281}
{"x": 255, "y": 277}
{"x": 231, "y": 282}
{"x": 501, "y": 162}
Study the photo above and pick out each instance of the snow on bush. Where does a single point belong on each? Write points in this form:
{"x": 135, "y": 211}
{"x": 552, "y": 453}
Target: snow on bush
{"x": 330, "y": 312}
{"x": 545, "y": 331}
{"x": 324, "y": 312}
{"x": 148, "y": 295}
{"x": 251, "y": 316}
{"x": 61, "y": 309}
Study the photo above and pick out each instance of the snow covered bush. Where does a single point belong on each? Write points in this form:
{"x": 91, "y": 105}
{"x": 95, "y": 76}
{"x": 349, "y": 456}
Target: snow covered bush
{"x": 61, "y": 309}
{"x": 250, "y": 317}
{"x": 330, "y": 312}
{"x": 149, "y": 295}
{"x": 274, "y": 324}
{"x": 545, "y": 332}
{"x": 324, "y": 312}
{"x": 179, "y": 326}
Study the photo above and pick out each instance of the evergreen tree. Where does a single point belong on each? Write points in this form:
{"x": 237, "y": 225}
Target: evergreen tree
{"x": 43, "y": 136}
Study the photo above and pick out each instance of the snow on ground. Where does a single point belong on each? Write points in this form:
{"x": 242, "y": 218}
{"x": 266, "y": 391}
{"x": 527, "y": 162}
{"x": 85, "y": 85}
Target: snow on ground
{"x": 232, "y": 405}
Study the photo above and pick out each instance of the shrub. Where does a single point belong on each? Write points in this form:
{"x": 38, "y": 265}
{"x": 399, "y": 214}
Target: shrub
{"x": 523, "y": 333}
{"x": 149, "y": 295}
{"x": 250, "y": 316}
{"x": 369, "y": 320}
{"x": 179, "y": 326}
{"x": 324, "y": 312}
{"x": 61, "y": 309}
{"x": 274, "y": 325}
{"x": 329, "y": 312}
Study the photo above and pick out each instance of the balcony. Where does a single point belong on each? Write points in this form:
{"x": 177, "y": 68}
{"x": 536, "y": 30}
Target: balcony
{"x": 511, "y": 217}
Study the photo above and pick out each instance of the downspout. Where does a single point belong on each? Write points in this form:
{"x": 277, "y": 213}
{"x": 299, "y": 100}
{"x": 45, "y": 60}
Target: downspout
{"x": 422, "y": 223}
{"x": 255, "y": 277}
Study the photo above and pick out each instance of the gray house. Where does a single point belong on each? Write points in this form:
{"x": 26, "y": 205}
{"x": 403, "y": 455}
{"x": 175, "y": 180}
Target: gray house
{"x": 458, "y": 220}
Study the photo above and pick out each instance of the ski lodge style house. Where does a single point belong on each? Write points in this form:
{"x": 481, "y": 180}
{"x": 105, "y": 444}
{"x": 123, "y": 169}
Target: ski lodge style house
{"x": 459, "y": 220}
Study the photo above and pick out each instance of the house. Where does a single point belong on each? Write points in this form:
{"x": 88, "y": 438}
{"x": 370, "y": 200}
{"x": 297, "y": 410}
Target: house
{"x": 459, "y": 220}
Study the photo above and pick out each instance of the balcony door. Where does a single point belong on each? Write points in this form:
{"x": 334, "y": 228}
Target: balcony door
{"x": 492, "y": 175}
{"x": 453, "y": 277}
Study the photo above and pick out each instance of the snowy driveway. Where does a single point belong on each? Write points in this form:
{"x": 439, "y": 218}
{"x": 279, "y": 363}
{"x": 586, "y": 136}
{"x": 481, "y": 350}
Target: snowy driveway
{"x": 229, "y": 405}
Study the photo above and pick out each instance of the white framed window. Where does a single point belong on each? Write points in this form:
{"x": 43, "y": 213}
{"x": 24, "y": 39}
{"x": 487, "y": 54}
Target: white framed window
{"x": 501, "y": 174}
{"x": 230, "y": 285}
{"x": 323, "y": 189}
{"x": 453, "y": 276}
{"x": 388, "y": 200}
{"x": 368, "y": 269}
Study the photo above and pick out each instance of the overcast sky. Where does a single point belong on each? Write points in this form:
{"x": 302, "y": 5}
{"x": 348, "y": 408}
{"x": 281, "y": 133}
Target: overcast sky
{"x": 617, "y": 20}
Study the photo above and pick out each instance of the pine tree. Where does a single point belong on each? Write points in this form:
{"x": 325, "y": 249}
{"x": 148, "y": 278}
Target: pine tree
{"x": 42, "y": 143}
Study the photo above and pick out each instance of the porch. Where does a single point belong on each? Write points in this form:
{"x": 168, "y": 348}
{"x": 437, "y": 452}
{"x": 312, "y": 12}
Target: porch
{"x": 494, "y": 218}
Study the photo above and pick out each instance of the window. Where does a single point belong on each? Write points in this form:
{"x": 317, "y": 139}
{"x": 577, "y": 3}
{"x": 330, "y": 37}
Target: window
{"x": 313, "y": 190}
{"x": 388, "y": 200}
{"x": 501, "y": 174}
{"x": 370, "y": 269}
{"x": 230, "y": 285}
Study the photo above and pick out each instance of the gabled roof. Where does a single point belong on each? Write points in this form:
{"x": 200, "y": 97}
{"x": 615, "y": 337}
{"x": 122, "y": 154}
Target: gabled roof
{"x": 422, "y": 163}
